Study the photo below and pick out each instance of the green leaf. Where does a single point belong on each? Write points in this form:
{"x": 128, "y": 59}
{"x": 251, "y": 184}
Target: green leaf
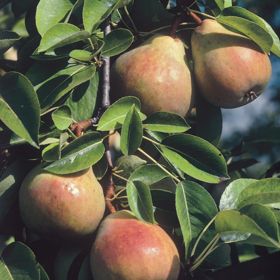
{"x": 132, "y": 132}
{"x": 117, "y": 42}
{"x": 241, "y": 12}
{"x": 201, "y": 206}
{"x": 209, "y": 121}
{"x": 265, "y": 191}
{"x": 50, "y": 12}
{"x": 95, "y": 11}
{"x": 148, "y": 174}
{"x": 166, "y": 122}
{"x": 62, "y": 117}
{"x": 83, "y": 99}
{"x": 140, "y": 200}
{"x": 20, "y": 28}
{"x": 264, "y": 217}
{"x": 43, "y": 273}
{"x": 81, "y": 55}
{"x": 10, "y": 181}
{"x": 250, "y": 29}
{"x": 125, "y": 165}
{"x": 20, "y": 261}
{"x": 51, "y": 153}
{"x": 227, "y": 3}
{"x": 60, "y": 35}
{"x": 59, "y": 84}
{"x": 19, "y": 105}
{"x": 48, "y": 140}
{"x": 216, "y": 6}
{"x": 196, "y": 157}
{"x": 232, "y": 221}
{"x": 64, "y": 259}
{"x": 115, "y": 115}
{"x": 7, "y": 40}
{"x": 182, "y": 211}
{"x": 276, "y": 213}
{"x": 80, "y": 154}
{"x": 100, "y": 168}
{"x": 85, "y": 272}
{"x": 231, "y": 194}
{"x": 221, "y": 257}
{"x": 221, "y": 4}
{"x": 40, "y": 71}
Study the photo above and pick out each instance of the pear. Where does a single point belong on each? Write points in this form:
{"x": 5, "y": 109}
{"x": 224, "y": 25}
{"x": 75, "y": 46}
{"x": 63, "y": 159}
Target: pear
{"x": 129, "y": 249}
{"x": 230, "y": 69}
{"x": 63, "y": 206}
{"x": 156, "y": 72}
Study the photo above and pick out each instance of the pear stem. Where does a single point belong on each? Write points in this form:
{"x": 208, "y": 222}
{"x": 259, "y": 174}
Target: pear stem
{"x": 144, "y": 34}
{"x": 131, "y": 20}
{"x": 201, "y": 14}
{"x": 176, "y": 22}
{"x": 159, "y": 165}
{"x": 212, "y": 246}
{"x": 120, "y": 177}
{"x": 194, "y": 16}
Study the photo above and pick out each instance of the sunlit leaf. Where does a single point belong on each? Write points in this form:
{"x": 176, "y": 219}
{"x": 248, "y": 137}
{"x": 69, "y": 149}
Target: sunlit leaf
{"x": 115, "y": 115}
{"x": 131, "y": 133}
{"x": 117, "y": 42}
{"x": 140, "y": 200}
{"x": 62, "y": 117}
{"x": 195, "y": 157}
{"x": 166, "y": 122}
{"x": 46, "y": 20}
{"x": 80, "y": 154}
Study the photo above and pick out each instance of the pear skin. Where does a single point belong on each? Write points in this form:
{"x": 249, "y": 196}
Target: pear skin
{"x": 63, "y": 206}
{"x": 156, "y": 72}
{"x": 128, "y": 249}
{"x": 230, "y": 69}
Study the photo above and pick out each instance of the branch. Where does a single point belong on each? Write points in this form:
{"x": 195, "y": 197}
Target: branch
{"x": 79, "y": 127}
{"x": 109, "y": 187}
{"x": 106, "y": 74}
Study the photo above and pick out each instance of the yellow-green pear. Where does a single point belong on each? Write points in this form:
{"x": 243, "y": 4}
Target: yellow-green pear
{"x": 156, "y": 72}
{"x": 230, "y": 69}
{"x": 63, "y": 206}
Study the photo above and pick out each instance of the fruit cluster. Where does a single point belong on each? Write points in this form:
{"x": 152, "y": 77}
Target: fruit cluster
{"x": 229, "y": 71}
{"x": 71, "y": 207}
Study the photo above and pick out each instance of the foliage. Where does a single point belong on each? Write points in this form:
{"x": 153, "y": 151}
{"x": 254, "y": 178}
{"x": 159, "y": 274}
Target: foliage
{"x": 166, "y": 166}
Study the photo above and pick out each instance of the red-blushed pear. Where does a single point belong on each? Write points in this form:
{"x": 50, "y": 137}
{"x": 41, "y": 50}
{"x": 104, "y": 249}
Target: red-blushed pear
{"x": 63, "y": 206}
{"x": 156, "y": 72}
{"x": 129, "y": 249}
{"x": 230, "y": 69}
